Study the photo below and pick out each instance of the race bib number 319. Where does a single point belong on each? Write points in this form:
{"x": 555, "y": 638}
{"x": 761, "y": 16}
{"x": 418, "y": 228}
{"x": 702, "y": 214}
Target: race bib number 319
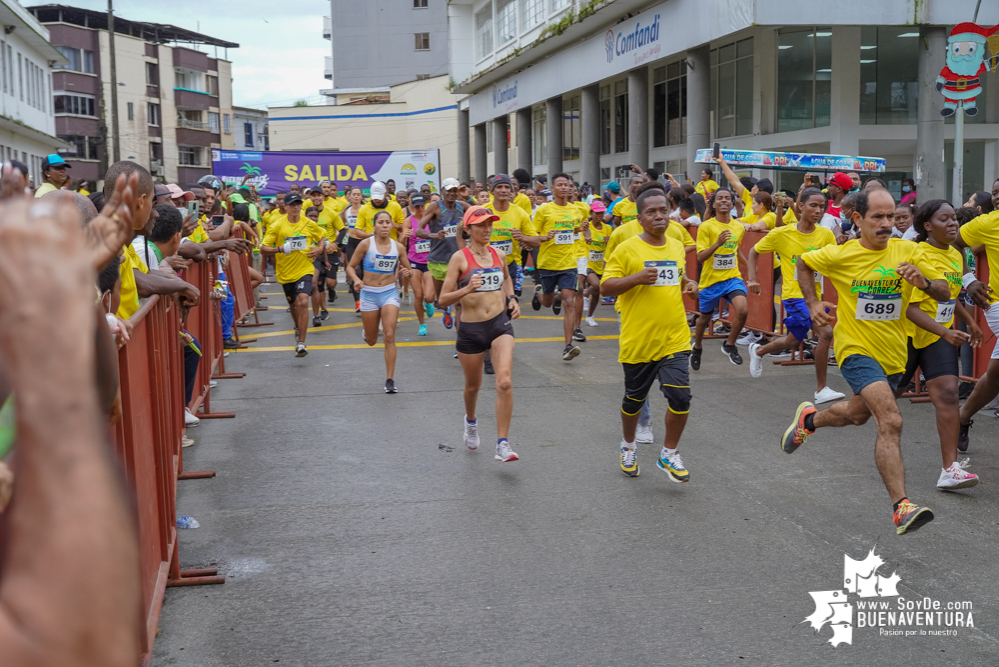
{"x": 878, "y": 307}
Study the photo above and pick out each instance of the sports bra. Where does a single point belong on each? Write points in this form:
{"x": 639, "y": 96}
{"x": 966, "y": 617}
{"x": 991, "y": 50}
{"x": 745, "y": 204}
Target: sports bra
{"x": 377, "y": 262}
{"x": 492, "y": 276}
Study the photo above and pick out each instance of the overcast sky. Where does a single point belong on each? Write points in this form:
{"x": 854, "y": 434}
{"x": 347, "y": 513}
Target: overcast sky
{"x": 281, "y": 45}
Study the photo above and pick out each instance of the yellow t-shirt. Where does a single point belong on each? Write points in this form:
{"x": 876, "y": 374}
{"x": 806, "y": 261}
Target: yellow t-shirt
{"x": 366, "y": 218}
{"x": 44, "y": 189}
{"x": 679, "y": 232}
{"x": 724, "y": 263}
{"x": 596, "y": 246}
{"x": 621, "y": 234}
{"x": 129, "y": 291}
{"x": 523, "y": 201}
{"x": 330, "y": 223}
{"x": 653, "y": 320}
{"x": 296, "y": 264}
{"x": 984, "y": 230}
{"x": 789, "y": 217}
{"x": 706, "y": 188}
{"x": 769, "y": 218}
{"x": 791, "y": 243}
{"x": 626, "y": 210}
{"x": 869, "y": 278}
{"x": 747, "y": 201}
{"x": 199, "y": 235}
{"x": 502, "y": 238}
{"x": 947, "y": 261}
{"x": 558, "y": 254}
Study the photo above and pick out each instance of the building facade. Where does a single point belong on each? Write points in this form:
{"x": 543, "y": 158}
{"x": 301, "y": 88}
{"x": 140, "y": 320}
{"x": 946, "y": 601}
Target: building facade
{"x": 250, "y": 131}
{"x": 174, "y": 102}
{"x": 27, "y": 116}
{"x": 589, "y": 87}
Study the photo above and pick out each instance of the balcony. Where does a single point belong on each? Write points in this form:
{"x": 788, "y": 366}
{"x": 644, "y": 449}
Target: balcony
{"x": 328, "y": 69}
{"x": 327, "y": 28}
{"x": 191, "y": 99}
{"x": 192, "y": 124}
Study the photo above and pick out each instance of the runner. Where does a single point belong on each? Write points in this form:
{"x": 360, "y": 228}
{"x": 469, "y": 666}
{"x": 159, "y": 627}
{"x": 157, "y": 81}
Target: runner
{"x": 440, "y": 225}
{"x": 625, "y": 210}
{"x": 355, "y": 197}
{"x": 419, "y": 250}
{"x": 327, "y": 264}
{"x": 381, "y": 257}
{"x": 555, "y": 225}
{"x": 509, "y": 228}
{"x": 718, "y": 240}
{"x": 790, "y": 242}
{"x": 582, "y": 255}
{"x": 595, "y": 233}
{"x": 479, "y": 279}
{"x": 646, "y": 273}
{"x": 296, "y": 242}
{"x": 874, "y": 277}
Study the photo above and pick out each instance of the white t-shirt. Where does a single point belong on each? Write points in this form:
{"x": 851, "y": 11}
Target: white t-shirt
{"x": 831, "y": 222}
{"x": 910, "y": 233}
{"x": 693, "y": 220}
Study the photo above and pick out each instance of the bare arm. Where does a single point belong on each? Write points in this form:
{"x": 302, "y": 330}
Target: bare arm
{"x": 192, "y": 251}
{"x": 449, "y": 293}
{"x": 156, "y": 282}
{"x": 730, "y": 176}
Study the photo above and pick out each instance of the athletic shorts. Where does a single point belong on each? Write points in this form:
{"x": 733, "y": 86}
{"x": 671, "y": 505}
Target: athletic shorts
{"x": 581, "y": 265}
{"x": 302, "y": 286}
{"x": 591, "y": 272}
{"x": 726, "y": 289}
{"x": 798, "y": 319}
{"x": 517, "y": 276}
{"x": 859, "y": 370}
{"x": 673, "y": 374}
{"x": 324, "y": 273}
{"x": 376, "y": 298}
{"x": 416, "y": 266}
{"x": 992, "y": 319}
{"x": 552, "y": 280}
{"x": 935, "y": 360}
{"x": 437, "y": 270}
{"x": 478, "y": 337}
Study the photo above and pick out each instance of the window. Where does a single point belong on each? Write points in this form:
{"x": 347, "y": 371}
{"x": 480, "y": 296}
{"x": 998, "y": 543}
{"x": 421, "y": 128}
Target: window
{"x": 558, "y": 5}
{"x": 131, "y": 111}
{"x": 248, "y": 134}
{"x": 213, "y": 121}
{"x": 669, "y": 117}
{"x": 889, "y": 75}
{"x": 188, "y": 79}
{"x": 621, "y": 116}
{"x": 570, "y": 128}
{"x": 422, "y": 41}
{"x": 189, "y": 156}
{"x": 20, "y": 77}
{"x": 152, "y": 74}
{"x": 419, "y": 4}
{"x": 190, "y": 119}
{"x": 484, "y": 31}
{"x": 153, "y": 113}
{"x": 225, "y": 124}
{"x": 84, "y": 148}
{"x": 532, "y": 12}
{"x": 506, "y": 21}
{"x": 731, "y": 104}
{"x": 78, "y": 105}
{"x": 605, "y": 120}
{"x": 80, "y": 60}
{"x": 804, "y": 71}
{"x": 213, "y": 85}
{"x": 266, "y": 138}
{"x": 539, "y": 129}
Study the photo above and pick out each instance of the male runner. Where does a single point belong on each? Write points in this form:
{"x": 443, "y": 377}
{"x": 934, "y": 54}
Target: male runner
{"x": 646, "y": 273}
{"x": 625, "y": 210}
{"x": 509, "y": 229}
{"x": 874, "y": 276}
{"x": 440, "y": 225}
{"x": 328, "y": 264}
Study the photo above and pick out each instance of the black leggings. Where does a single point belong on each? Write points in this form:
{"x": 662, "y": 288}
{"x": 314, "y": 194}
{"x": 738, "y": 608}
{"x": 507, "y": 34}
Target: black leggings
{"x": 352, "y": 244}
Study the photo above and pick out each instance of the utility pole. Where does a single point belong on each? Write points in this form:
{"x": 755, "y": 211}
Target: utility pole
{"x": 115, "y": 137}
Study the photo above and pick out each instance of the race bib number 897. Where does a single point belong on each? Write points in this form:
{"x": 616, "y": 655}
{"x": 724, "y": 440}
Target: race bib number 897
{"x": 385, "y": 263}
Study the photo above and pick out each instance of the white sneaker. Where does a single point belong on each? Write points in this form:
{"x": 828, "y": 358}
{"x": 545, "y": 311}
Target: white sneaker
{"x": 301, "y": 350}
{"x": 755, "y": 361}
{"x": 643, "y": 435}
{"x": 828, "y": 394}
{"x": 471, "y": 434}
{"x": 505, "y": 454}
{"x": 590, "y": 322}
{"x": 749, "y": 338}
{"x": 955, "y": 477}
{"x": 786, "y": 354}
{"x": 213, "y": 384}
{"x": 190, "y": 419}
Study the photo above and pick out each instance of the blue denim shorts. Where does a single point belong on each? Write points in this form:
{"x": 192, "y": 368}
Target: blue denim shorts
{"x": 729, "y": 289}
{"x": 860, "y": 370}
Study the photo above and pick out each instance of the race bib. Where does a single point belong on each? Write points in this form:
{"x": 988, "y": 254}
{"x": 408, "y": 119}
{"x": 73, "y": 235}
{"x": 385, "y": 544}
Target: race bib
{"x": 385, "y": 263}
{"x": 945, "y": 311}
{"x": 492, "y": 279}
{"x": 667, "y": 273}
{"x": 879, "y": 307}
{"x": 422, "y": 245}
{"x": 505, "y": 246}
{"x": 596, "y": 255}
{"x": 298, "y": 242}
{"x": 351, "y": 222}
{"x": 451, "y": 230}
{"x": 818, "y": 276}
{"x": 724, "y": 262}
{"x": 564, "y": 237}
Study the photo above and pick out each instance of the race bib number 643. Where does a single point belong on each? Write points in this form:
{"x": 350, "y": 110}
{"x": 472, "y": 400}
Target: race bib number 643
{"x": 667, "y": 273}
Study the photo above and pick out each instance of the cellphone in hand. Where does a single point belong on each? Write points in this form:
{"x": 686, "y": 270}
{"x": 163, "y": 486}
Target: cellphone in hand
{"x": 716, "y": 152}
{"x": 217, "y": 220}
{"x": 192, "y": 207}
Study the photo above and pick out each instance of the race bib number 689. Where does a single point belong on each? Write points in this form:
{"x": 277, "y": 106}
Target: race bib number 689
{"x": 879, "y": 307}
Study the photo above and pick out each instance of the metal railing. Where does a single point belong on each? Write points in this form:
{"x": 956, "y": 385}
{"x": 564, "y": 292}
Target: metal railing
{"x": 192, "y": 124}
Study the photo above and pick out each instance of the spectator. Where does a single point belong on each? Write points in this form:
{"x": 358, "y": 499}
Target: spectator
{"x": 908, "y": 192}
{"x": 54, "y": 174}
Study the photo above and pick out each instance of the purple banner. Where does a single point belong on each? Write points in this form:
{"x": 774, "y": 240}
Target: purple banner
{"x": 274, "y": 171}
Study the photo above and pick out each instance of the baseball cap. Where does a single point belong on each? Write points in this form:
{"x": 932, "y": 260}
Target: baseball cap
{"x": 293, "y": 198}
{"x": 417, "y": 200}
{"x": 160, "y": 189}
{"x": 450, "y": 183}
{"x": 501, "y": 178}
{"x": 842, "y": 180}
{"x": 54, "y": 160}
{"x": 748, "y": 182}
{"x": 598, "y": 206}
{"x": 237, "y": 198}
{"x": 614, "y": 187}
{"x": 378, "y": 190}
{"x": 176, "y": 192}
{"x": 476, "y": 215}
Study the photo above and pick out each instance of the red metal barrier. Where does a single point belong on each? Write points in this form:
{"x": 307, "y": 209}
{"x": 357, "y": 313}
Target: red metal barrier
{"x": 204, "y": 321}
{"x": 760, "y": 314}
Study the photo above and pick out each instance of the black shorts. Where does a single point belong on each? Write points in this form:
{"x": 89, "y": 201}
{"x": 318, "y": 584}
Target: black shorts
{"x": 302, "y": 286}
{"x": 416, "y": 266}
{"x": 673, "y": 374}
{"x": 323, "y": 274}
{"x": 935, "y": 360}
{"x": 478, "y": 337}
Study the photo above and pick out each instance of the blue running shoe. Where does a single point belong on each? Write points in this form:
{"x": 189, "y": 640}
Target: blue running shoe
{"x": 448, "y": 320}
{"x": 423, "y": 330}
{"x": 673, "y": 465}
{"x": 428, "y": 308}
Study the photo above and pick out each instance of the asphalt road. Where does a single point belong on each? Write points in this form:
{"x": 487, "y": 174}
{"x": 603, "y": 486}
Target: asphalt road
{"x": 355, "y": 529}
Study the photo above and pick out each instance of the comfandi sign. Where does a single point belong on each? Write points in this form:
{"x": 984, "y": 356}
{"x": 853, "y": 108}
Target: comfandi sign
{"x": 639, "y": 44}
{"x": 505, "y": 97}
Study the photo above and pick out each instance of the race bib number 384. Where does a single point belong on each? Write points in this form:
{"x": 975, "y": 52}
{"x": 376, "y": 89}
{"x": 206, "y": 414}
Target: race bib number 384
{"x": 724, "y": 262}
{"x": 878, "y": 307}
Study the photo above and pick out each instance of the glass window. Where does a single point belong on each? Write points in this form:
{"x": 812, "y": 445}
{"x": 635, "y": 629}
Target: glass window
{"x": 659, "y": 107}
{"x": 489, "y": 136}
{"x": 889, "y": 75}
{"x": 560, "y": 4}
{"x": 213, "y": 121}
{"x": 731, "y": 104}
{"x": 621, "y": 117}
{"x": 571, "y": 128}
{"x": 506, "y": 21}
{"x": 152, "y": 74}
{"x": 532, "y": 12}
{"x": 78, "y": 105}
{"x": 80, "y": 60}
{"x": 225, "y": 123}
{"x": 804, "y": 71}
{"x": 484, "y": 31}
{"x": 422, "y": 41}
{"x": 248, "y": 134}
{"x": 153, "y": 112}
{"x": 676, "y": 103}
{"x": 213, "y": 85}
{"x": 189, "y": 156}
{"x": 131, "y": 110}
{"x": 605, "y": 120}
{"x": 540, "y": 129}
{"x": 419, "y": 4}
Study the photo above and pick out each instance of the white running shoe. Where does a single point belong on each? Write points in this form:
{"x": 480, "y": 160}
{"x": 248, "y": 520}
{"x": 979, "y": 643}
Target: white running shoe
{"x": 955, "y": 477}
{"x": 749, "y": 338}
{"x": 828, "y": 394}
{"x": 504, "y": 454}
{"x": 755, "y": 361}
{"x": 590, "y": 322}
{"x": 190, "y": 419}
{"x": 471, "y": 434}
{"x": 643, "y": 434}
{"x": 301, "y": 350}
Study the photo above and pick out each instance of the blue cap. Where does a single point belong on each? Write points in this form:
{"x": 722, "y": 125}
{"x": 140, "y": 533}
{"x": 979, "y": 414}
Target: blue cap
{"x": 54, "y": 160}
{"x": 614, "y": 187}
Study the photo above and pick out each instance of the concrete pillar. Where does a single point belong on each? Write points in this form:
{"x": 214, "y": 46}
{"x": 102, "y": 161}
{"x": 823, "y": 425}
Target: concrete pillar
{"x": 525, "y": 154}
{"x": 554, "y": 124}
{"x": 589, "y": 149}
{"x": 698, "y": 99}
{"x": 930, "y": 169}
{"x": 844, "y": 87}
{"x": 638, "y": 117}
{"x": 464, "y": 150}
{"x": 480, "y": 153}
{"x": 500, "y": 150}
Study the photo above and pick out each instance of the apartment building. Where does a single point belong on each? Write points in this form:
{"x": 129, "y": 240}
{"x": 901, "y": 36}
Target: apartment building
{"x": 250, "y": 132}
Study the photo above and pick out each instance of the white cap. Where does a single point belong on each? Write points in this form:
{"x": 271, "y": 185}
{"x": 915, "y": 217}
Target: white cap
{"x": 378, "y": 190}
{"x": 450, "y": 183}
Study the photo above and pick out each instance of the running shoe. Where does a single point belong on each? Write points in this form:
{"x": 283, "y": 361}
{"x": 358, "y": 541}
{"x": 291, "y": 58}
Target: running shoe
{"x": 428, "y": 308}
{"x": 324, "y": 314}
{"x": 557, "y": 303}
{"x": 828, "y": 394}
{"x": 570, "y": 352}
{"x": 455, "y": 354}
{"x": 390, "y": 386}
{"x": 749, "y": 338}
{"x": 407, "y": 299}
{"x": 316, "y": 321}
{"x": 629, "y": 461}
{"x": 962, "y": 439}
{"x": 331, "y": 296}
{"x": 607, "y": 301}
{"x": 796, "y": 434}
{"x": 300, "y": 350}
{"x": 357, "y": 306}
{"x": 487, "y": 365}
{"x": 673, "y": 464}
{"x": 448, "y": 319}
{"x": 722, "y": 329}
{"x": 756, "y": 362}
{"x": 536, "y": 300}
{"x": 577, "y": 335}
{"x": 784, "y": 354}
{"x": 422, "y": 331}
{"x": 504, "y": 454}
{"x": 590, "y": 322}
{"x": 955, "y": 477}
{"x": 695, "y": 358}
{"x": 643, "y": 434}
{"x": 189, "y": 419}
{"x": 732, "y": 352}
{"x": 909, "y": 517}
{"x": 471, "y": 434}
